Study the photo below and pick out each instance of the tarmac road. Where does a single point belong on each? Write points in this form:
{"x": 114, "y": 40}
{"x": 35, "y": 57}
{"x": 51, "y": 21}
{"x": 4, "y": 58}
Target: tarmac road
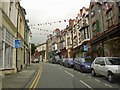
{"x": 56, "y": 76}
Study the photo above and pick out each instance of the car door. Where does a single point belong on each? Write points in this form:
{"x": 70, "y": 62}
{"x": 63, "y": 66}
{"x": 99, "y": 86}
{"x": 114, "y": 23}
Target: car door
{"x": 95, "y": 65}
{"x": 101, "y": 67}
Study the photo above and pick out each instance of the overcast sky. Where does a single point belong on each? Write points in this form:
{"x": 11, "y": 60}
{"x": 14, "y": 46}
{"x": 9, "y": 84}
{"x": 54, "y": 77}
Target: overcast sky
{"x": 44, "y": 11}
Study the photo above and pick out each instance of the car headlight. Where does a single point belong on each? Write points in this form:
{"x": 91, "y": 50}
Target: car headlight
{"x": 87, "y": 66}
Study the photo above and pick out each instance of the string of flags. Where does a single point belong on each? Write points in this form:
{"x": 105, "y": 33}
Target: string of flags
{"x": 49, "y": 23}
{"x": 40, "y": 34}
{"x": 41, "y": 29}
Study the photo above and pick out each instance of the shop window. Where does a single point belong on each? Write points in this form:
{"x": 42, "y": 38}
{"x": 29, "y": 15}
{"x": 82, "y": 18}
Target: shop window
{"x": 8, "y": 56}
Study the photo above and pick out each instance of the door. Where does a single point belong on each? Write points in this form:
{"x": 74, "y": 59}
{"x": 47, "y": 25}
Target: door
{"x": 102, "y": 67}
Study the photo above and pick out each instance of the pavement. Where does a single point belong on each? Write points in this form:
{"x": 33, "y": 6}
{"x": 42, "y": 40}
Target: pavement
{"x": 20, "y": 79}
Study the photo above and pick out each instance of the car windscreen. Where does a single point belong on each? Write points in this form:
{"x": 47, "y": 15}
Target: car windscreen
{"x": 86, "y": 60}
{"x": 113, "y": 61}
{"x": 70, "y": 59}
{"x": 57, "y": 57}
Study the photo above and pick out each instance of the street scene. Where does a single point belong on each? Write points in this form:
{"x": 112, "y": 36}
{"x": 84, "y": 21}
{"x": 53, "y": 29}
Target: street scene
{"x": 60, "y": 44}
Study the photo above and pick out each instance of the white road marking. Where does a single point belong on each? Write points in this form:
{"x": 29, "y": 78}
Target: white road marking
{"x": 108, "y": 85}
{"x": 53, "y": 64}
{"x": 78, "y": 72}
{"x": 97, "y": 80}
{"x": 86, "y": 85}
{"x": 69, "y": 73}
{"x": 89, "y": 76}
{"x": 60, "y": 68}
{"x": 84, "y": 74}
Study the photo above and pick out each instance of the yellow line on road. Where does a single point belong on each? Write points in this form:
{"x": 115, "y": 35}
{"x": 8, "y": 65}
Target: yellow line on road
{"x": 38, "y": 79}
{"x": 35, "y": 82}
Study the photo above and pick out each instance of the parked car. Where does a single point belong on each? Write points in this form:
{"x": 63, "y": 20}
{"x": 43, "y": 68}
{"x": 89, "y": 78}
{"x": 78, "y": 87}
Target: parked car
{"x": 69, "y": 62}
{"x": 106, "y": 66}
{"x": 50, "y": 60}
{"x": 56, "y": 59}
{"x": 83, "y": 64}
{"x": 62, "y": 61}
{"x": 35, "y": 61}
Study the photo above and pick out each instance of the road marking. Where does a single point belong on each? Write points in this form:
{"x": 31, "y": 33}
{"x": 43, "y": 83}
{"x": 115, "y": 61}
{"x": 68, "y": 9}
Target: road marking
{"x": 86, "y": 85}
{"x": 35, "y": 82}
{"x": 97, "y": 80}
{"x": 53, "y": 64}
{"x": 89, "y": 76}
{"x": 69, "y": 73}
{"x": 84, "y": 74}
{"x": 78, "y": 72}
{"x": 38, "y": 78}
{"x": 60, "y": 68}
{"x": 108, "y": 85}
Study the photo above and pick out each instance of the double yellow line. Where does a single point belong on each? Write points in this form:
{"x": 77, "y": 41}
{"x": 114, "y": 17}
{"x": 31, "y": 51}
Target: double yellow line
{"x": 37, "y": 78}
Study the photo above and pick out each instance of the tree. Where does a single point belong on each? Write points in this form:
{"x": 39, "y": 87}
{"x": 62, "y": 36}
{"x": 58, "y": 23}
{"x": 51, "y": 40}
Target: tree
{"x": 33, "y": 47}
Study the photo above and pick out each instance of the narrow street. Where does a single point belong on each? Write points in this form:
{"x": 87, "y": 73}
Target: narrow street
{"x": 71, "y": 44}
{"x": 56, "y": 76}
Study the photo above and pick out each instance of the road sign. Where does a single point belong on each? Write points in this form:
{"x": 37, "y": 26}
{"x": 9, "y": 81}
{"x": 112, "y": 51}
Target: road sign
{"x": 85, "y": 48}
{"x": 17, "y": 43}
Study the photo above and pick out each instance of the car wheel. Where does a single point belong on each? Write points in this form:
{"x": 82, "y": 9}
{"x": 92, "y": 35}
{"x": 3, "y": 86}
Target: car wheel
{"x": 74, "y": 67}
{"x": 93, "y": 72}
{"x": 110, "y": 78}
{"x": 81, "y": 70}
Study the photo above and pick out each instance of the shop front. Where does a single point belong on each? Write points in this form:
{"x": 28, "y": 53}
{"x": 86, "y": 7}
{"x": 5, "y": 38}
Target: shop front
{"x": 107, "y": 44}
{"x": 7, "y": 50}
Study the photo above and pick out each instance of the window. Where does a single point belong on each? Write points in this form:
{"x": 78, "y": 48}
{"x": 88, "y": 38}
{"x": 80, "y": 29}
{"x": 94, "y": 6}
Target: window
{"x": 95, "y": 27}
{"x": 102, "y": 61}
{"x": 82, "y": 34}
{"x": 68, "y": 41}
{"x": 1, "y": 55}
{"x": 97, "y": 61}
{"x": 110, "y": 18}
{"x": 92, "y": 11}
{"x": 86, "y": 33}
{"x": 113, "y": 61}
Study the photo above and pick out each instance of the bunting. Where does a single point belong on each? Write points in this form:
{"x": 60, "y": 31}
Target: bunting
{"x": 49, "y": 23}
{"x": 41, "y": 29}
{"x": 40, "y": 34}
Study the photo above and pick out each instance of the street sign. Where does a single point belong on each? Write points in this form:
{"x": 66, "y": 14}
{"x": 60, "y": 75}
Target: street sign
{"x": 85, "y": 48}
{"x": 17, "y": 43}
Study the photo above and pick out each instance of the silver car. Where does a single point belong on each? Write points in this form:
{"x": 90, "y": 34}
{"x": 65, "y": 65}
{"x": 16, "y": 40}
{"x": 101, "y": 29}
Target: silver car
{"x": 106, "y": 66}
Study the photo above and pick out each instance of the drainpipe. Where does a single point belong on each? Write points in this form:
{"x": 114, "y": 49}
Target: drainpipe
{"x": 17, "y": 38}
